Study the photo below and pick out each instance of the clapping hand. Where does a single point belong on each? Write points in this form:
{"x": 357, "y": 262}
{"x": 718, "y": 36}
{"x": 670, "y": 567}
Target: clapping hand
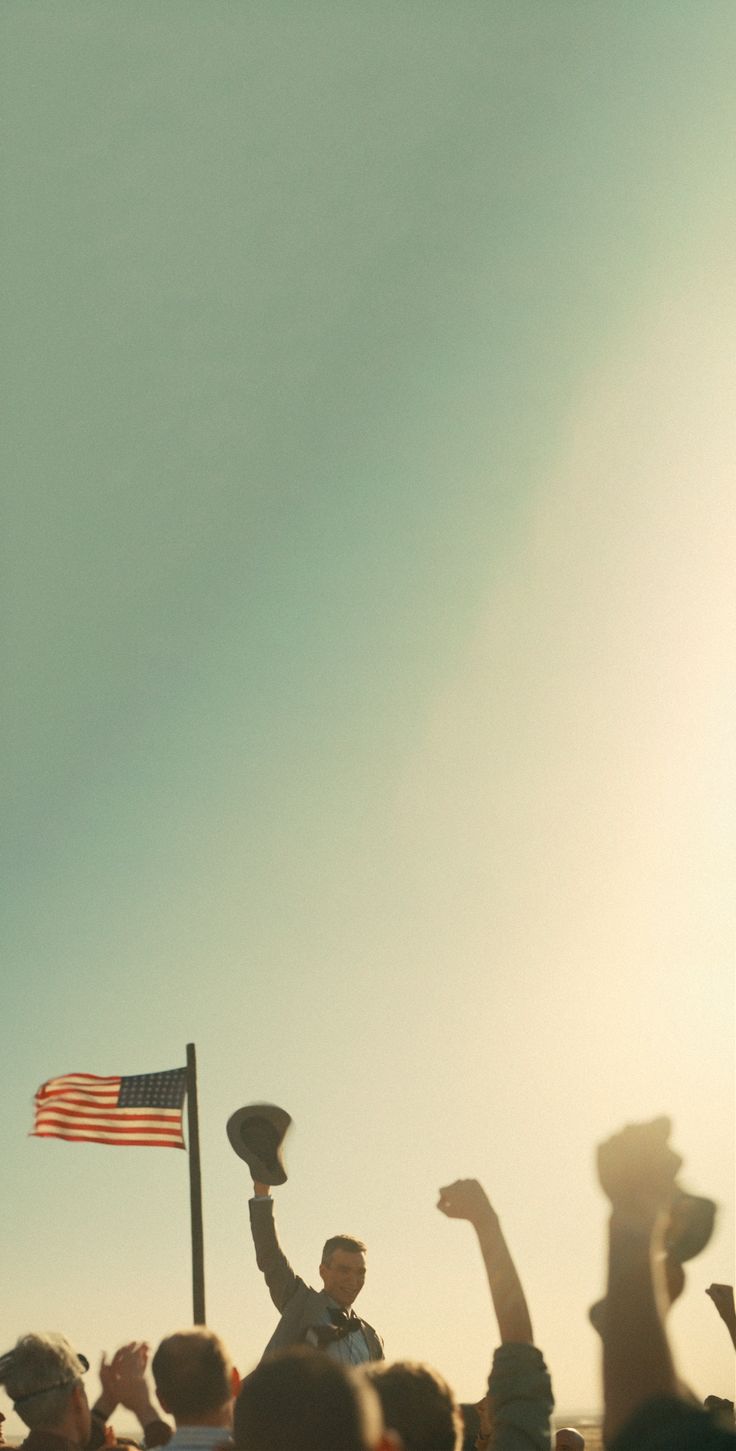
{"x": 123, "y": 1379}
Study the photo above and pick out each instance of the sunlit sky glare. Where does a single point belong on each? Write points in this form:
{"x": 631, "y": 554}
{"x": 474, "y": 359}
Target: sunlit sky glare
{"x": 370, "y": 640}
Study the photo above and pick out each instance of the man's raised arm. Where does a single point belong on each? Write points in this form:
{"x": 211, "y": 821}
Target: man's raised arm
{"x": 519, "y": 1399}
{"x": 272, "y": 1262}
{"x": 467, "y": 1199}
{"x": 636, "y": 1169}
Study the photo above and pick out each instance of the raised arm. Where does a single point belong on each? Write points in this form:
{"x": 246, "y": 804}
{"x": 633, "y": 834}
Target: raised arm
{"x": 280, "y": 1278}
{"x": 636, "y": 1169}
{"x": 467, "y": 1199}
{"x": 519, "y": 1401}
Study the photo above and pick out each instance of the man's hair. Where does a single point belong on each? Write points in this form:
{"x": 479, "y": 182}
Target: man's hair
{"x": 192, "y": 1371}
{"x": 300, "y": 1400}
{"x": 39, "y": 1375}
{"x": 346, "y": 1242}
{"x": 418, "y": 1403}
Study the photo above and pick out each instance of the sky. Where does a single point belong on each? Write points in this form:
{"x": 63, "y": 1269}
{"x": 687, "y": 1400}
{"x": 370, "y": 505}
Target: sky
{"x": 368, "y": 644}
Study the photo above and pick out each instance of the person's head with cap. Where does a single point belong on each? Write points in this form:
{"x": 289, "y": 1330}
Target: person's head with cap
{"x": 195, "y": 1378}
{"x": 43, "y": 1377}
{"x": 300, "y": 1400}
{"x": 568, "y": 1439}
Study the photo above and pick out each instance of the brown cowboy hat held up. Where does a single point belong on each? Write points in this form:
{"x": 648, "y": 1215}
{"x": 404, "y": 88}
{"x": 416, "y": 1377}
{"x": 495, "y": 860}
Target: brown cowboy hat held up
{"x": 256, "y": 1133}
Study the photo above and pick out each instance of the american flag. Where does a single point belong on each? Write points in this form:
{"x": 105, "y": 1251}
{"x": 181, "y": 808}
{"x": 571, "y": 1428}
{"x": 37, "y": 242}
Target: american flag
{"x": 145, "y": 1109}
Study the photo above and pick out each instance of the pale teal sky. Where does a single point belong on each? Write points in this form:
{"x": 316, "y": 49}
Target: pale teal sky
{"x": 369, "y": 639}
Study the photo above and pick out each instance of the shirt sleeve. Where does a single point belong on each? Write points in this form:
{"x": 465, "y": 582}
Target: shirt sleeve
{"x": 282, "y": 1282}
{"x": 520, "y": 1392}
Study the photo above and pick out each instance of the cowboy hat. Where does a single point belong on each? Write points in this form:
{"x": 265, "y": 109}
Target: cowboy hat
{"x": 256, "y": 1133}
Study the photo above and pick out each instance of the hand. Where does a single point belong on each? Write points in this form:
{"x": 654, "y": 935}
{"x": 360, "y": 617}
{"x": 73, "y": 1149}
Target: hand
{"x": 133, "y": 1392}
{"x": 466, "y": 1199}
{"x": 109, "y": 1382}
{"x": 637, "y": 1168}
{"x": 109, "y": 1379}
{"x": 722, "y": 1297}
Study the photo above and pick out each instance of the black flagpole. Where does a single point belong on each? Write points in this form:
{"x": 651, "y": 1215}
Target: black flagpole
{"x": 195, "y": 1189}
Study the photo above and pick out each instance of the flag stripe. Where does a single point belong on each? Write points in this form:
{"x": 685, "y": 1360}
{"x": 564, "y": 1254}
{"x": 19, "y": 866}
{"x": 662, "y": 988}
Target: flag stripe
{"x": 108, "y": 1100}
{"x": 123, "y": 1135}
{"x": 102, "y": 1114}
{"x": 95, "y": 1138}
{"x": 83, "y": 1078}
{"x": 173, "y": 1126}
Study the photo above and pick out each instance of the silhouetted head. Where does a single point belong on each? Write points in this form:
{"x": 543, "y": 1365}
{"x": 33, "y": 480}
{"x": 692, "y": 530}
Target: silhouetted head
{"x": 195, "y": 1379}
{"x": 301, "y": 1400}
{"x": 418, "y": 1404}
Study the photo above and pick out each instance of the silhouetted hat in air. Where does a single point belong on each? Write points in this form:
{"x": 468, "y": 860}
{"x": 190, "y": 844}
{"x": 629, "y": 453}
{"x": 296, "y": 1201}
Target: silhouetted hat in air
{"x": 256, "y": 1133}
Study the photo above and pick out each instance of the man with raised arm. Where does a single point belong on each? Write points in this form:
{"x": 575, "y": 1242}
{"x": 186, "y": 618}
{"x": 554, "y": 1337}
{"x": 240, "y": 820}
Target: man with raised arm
{"x": 322, "y": 1318}
{"x": 519, "y": 1402}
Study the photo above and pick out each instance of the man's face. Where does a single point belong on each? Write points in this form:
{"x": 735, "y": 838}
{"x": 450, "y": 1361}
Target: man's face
{"x": 344, "y": 1276}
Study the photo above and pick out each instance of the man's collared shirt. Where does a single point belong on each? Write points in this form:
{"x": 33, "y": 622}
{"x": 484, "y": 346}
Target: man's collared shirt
{"x": 350, "y": 1349}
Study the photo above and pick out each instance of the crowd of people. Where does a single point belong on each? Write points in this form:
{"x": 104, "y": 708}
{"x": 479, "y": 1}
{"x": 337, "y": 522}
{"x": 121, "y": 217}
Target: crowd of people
{"x": 324, "y": 1384}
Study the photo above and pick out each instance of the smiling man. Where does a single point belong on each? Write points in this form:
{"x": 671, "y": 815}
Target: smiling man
{"x": 323, "y": 1318}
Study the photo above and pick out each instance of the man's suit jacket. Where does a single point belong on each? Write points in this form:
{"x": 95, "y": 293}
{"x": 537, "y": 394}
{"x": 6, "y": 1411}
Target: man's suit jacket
{"x": 299, "y": 1305}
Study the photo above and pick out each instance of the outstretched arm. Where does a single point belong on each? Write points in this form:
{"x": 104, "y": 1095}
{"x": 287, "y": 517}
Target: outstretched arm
{"x": 272, "y": 1262}
{"x": 722, "y": 1297}
{"x": 519, "y": 1401}
{"x": 636, "y": 1169}
{"x": 467, "y": 1199}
